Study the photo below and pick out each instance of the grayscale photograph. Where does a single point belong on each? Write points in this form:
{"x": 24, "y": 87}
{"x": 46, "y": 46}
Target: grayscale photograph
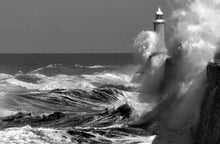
{"x": 109, "y": 71}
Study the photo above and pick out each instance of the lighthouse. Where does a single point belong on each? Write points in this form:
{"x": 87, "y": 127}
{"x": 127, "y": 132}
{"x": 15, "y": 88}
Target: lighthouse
{"x": 159, "y": 23}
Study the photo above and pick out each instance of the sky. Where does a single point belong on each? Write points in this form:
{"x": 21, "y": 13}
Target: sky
{"x": 74, "y": 26}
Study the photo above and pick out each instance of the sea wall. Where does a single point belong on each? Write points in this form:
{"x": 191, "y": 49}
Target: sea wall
{"x": 208, "y": 131}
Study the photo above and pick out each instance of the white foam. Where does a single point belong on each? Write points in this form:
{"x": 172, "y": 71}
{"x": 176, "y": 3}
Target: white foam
{"x": 5, "y": 112}
{"x": 94, "y": 66}
{"x": 27, "y": 135}
{"x": 57, "y": 82}
{"x": 127, "y": 139}
{"x": 109, "y": 78}
{"x": 67, "y": 82}
{"x": 5, "y": 76}
{"x": 48, "y": 66}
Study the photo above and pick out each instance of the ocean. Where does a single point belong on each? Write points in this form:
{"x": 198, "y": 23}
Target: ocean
{"x": 69, "y": 98}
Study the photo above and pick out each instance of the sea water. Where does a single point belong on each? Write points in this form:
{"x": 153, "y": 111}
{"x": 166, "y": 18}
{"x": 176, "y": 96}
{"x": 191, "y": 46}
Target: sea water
{"x": 68, "y": 98}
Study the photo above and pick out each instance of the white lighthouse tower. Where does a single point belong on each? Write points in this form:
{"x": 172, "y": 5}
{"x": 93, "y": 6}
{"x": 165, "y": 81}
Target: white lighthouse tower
{"x": 159, "y": 23}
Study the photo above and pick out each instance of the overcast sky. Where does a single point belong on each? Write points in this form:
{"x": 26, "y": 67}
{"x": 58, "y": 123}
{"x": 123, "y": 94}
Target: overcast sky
{"x": 74, "y": 26}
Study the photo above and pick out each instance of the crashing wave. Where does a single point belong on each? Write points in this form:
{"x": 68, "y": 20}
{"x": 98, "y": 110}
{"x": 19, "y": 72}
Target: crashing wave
{"x": 95, "y": 66}
{"x": 28, "y": 134}
{"x": 49, "y": 83}
{"x": 37, "y": 81}
{"x": 106, "y": 126}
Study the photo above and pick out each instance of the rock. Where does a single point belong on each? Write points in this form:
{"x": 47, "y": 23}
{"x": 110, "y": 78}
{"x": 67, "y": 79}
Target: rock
{"x": 209, "y": 124}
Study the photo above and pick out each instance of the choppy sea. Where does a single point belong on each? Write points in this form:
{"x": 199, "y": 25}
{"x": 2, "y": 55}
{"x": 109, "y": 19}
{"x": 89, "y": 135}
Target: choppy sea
{"x": 69, "y": 98}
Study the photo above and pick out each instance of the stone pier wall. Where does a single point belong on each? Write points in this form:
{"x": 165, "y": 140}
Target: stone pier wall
{"x": 209, "y": 124}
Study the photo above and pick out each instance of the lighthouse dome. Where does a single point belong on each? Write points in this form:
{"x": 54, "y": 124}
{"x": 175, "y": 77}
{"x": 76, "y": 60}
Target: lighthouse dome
{"x": 159, "y": 12}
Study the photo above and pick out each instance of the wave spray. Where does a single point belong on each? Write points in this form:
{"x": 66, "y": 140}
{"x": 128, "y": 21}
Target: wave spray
{"x": 173, "y": 77}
